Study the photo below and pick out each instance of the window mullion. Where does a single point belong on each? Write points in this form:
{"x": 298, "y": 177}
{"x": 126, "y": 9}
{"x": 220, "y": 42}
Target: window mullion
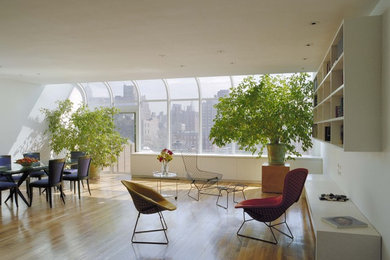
{"x": 200, "y": 135}
{"x": 168, "y": 113}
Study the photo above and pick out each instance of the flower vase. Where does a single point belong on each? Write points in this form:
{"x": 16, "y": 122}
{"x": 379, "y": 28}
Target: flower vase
{"x": 164, "y": 168}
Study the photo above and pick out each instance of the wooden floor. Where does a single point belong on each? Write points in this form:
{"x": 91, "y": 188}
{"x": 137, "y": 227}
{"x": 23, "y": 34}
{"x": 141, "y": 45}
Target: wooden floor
{"x": 100, "y": 227}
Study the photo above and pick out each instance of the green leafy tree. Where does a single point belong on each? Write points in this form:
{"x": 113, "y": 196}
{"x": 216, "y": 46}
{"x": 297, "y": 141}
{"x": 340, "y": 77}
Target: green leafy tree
{"x": 273, "y": 110}
{"x": 84, "y": 130}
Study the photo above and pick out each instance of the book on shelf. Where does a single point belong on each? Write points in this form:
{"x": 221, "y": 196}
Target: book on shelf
{"x": 327, "y": 67}
{"x": 344, "y": 222}
{"x": 339, "y": 111}
{"x": 327, "y": 133}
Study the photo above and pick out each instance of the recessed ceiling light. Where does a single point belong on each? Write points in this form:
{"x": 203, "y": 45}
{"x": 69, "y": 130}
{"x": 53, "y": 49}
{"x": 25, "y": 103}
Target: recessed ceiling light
{"x": 308, "y": 44}
{"x": 181, "y": 66}
{"x": 304, "y": 58}
{"x": 162, "y": 55}
{"x": 314, "y": 23}
{"x": 220, "y": 51}
{"x": 232, "y": 62}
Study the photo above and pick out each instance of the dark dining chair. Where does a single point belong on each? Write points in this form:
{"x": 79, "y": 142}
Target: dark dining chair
{"x": 74, "y": 156}
{"x": 270, "y": 209}
{"x": 55, "y": 171}
{"x": 6, "y": 185}
{"x": 34, "y": 174}
{"x": 6, "y": 161}
{"x": 82, "y": 174}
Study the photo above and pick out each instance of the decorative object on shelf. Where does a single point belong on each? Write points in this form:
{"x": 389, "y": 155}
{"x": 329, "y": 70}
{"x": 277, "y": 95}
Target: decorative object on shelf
{"x": 81, "y": 129}
{"x": 26, "y": 161}
{"x": 333, "y": 197}
{"x": 344, "y": 222}
{"x": 165, "y": 157}
{"x": 274, "y": 110}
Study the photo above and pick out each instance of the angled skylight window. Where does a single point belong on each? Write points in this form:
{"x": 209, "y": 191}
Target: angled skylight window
{"x": 97, "y": 94}
{"x": 214, "y": 87}
{"x": 183, "y": 88}
{"x": 152, "y": 89}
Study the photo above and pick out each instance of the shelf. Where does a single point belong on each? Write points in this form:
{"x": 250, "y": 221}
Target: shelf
{"x": 341, "y": 118}
{"x": 346, "y": 112}
{"x": 332, "y": 94}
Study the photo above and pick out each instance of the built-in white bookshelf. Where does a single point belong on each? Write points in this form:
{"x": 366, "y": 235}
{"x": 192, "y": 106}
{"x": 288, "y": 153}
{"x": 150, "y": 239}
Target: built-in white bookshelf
{"x": 347, "y": 87}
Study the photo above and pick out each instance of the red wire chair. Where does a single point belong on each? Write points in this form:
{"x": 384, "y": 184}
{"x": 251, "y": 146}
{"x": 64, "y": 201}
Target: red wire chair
{"x": 270, "y": 209}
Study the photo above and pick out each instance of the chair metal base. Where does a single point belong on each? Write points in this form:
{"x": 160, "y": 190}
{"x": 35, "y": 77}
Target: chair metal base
{"x": 271, "y": 227}
{"x": 164, "y": 228}
{"x": 207, "y": 185}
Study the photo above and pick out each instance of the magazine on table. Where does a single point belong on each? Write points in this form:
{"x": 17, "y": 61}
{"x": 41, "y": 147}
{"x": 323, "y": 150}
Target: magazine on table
{"x": 344, "y": 222}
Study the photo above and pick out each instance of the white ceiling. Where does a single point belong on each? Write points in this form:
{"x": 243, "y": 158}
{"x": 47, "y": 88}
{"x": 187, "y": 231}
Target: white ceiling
{"x": 52, "y": 41}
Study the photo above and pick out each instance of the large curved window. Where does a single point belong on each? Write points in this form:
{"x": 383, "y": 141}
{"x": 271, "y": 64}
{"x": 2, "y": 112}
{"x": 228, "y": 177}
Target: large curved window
{"x": 175, "y": 113}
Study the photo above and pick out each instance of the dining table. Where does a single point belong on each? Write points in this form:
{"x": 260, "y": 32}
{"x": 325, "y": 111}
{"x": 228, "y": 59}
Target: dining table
{"x": 14, "y": 168}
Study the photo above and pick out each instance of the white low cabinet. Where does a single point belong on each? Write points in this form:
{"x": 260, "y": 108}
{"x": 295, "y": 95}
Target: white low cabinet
{"x": 334, "y": 243}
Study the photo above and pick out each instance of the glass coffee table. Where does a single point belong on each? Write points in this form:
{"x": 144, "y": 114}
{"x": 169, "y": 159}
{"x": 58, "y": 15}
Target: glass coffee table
{"x": 159, "y": 176}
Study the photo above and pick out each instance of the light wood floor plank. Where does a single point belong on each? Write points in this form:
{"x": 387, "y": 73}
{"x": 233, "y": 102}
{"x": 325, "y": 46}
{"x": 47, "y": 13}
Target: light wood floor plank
{"x": 100, "y": 227}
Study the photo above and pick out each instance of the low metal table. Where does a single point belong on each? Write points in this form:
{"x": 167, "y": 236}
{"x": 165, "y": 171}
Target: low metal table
{"x": 228, "y": 189}
{"x": 160, "y": 176}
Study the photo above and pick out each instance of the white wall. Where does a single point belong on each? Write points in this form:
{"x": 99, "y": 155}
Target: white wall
{"x": 365, "y": 176}
{"x": 239, "y": 168}
{"x": 22, "y": 123}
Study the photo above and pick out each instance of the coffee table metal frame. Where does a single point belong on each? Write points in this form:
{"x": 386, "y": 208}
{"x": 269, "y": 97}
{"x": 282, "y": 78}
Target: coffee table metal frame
{"x": 160, "y": 176}
{"x": 228, "y": 189}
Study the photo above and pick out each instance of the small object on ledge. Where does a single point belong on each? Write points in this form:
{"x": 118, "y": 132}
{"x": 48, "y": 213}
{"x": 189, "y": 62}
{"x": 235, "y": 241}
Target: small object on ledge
{"x": 344, "y": 222}
{"x": 333, "y": 197}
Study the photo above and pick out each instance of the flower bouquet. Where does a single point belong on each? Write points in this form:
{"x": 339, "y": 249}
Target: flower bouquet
{"x": 165, "y": 157}
{"x": 26, "y": 161}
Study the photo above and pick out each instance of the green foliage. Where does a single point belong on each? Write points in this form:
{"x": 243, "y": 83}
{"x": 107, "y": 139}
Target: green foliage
{"x": 276, "y": 109}
{"x": 92, "y": 132}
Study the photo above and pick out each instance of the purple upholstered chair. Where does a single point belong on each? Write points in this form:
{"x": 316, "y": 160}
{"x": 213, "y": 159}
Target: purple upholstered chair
{"x": 4, "y": 185}
{"x": 35, "y": 174}
{"x": 74, "y": 157}
{"x": 56, "y": 169}
{"x": 82, "y": 173}
{"x": 269, "y": 209}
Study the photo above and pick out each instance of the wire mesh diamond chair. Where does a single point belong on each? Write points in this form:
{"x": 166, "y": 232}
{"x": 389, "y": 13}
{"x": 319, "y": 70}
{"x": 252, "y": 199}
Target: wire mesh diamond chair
{"x": 148, "y": 201}
{"x": 270, "y": 209}
{"x": 200, "y": 180}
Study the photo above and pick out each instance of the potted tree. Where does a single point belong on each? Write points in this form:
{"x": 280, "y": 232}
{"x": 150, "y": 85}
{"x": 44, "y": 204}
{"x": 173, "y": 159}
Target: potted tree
{"x": 275, "y": 111}
{"x": 80, "y": 129}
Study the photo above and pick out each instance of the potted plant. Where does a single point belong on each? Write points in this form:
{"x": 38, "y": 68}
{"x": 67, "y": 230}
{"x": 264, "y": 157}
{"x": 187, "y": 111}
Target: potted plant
{"x": 275, "y": 111}
{"x": 80, "y": 129}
